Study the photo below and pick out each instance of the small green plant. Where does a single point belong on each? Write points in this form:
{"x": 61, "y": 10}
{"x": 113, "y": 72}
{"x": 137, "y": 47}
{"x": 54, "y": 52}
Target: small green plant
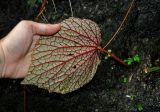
{"x": 139, "y": 107}
{"x": 124, "y": 79}
{"x": 131, "y": 60}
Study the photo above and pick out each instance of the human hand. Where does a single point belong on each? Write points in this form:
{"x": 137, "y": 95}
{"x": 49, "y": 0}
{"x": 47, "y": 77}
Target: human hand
{"x": 17, "y": 46}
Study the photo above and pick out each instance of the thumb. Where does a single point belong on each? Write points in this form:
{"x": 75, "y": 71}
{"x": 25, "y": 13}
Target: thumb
{"x": 45, "y": 29}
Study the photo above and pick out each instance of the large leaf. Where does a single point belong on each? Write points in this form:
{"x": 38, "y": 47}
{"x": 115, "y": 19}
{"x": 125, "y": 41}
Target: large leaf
{"x": 67, "y": 60}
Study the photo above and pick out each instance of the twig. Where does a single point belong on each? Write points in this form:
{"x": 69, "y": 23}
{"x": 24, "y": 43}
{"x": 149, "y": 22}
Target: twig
{"x": 44, "y": 18}
{"x": 41, "y": 10}
{"x": 54, "y": 6}
{"x": 71, "y": 8}
{"x": 131, "y": 5}
{"x": 25, "y": 99}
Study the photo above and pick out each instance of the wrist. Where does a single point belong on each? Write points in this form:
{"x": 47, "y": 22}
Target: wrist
{"x": 2, "y": 61}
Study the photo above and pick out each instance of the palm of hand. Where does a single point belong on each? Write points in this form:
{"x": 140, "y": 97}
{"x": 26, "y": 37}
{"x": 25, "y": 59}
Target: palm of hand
{"x": 19, "y": 44}
{"x": 17, "y": 49}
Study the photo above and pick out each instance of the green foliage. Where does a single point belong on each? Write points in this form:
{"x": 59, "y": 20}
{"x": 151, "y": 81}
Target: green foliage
{"x": 139, "y": 107}
{"x": 152, "y": 69}
{"x": 33, "y": 2}
{"x": 130, "y": 60}
{"x": 124, "y": 79}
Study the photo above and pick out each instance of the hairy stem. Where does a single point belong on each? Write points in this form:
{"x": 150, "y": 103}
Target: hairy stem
{"x": 112, "y": 55}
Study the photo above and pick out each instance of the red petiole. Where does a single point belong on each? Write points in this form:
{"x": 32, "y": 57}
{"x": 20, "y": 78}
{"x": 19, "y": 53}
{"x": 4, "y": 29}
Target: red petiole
{"x": 112, "y": 55}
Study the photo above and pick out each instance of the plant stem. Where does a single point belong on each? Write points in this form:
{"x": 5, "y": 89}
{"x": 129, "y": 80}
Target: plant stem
{"x": 41, "y": 10}
{"x": 119, "y": 28}
{"x": 54, "y": 6}
{"x": 25, "y": 99}
{"x": 70, "y": 4}
{"x": 112, "y": 55}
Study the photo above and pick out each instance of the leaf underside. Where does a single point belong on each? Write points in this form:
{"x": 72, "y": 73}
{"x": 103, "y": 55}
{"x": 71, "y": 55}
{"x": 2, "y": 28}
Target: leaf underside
{"x": 67, "y": 60}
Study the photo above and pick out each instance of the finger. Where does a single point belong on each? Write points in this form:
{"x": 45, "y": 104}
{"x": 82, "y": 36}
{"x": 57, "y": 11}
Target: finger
{"x": 45, "y": 29}
{"x": 35, "y": 39}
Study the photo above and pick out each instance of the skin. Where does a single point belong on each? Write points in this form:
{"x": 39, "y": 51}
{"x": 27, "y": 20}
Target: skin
{"x": 17, "y": 46}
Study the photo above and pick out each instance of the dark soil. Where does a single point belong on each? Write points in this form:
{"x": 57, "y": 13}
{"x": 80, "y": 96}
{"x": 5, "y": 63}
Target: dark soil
{"x": 108, "y": 91}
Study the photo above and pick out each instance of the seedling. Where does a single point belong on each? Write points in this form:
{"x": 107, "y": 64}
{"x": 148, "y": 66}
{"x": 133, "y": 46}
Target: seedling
{"x": 139, "y": 107}
{"x": 131, "y": 60}
{"x": 125, "y": 79}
